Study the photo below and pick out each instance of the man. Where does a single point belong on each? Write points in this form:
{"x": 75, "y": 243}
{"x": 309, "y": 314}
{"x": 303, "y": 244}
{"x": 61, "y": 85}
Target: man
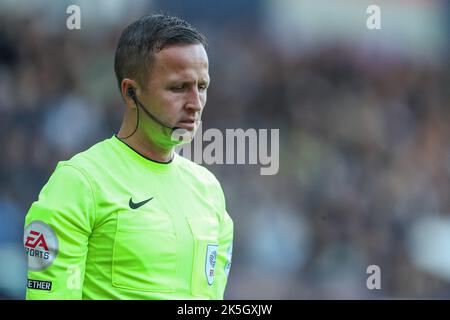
{"x": 129, "y": 218}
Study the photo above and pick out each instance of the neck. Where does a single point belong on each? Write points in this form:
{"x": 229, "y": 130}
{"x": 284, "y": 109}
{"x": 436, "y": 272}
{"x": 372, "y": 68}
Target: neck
{"x": 143, "y": 144}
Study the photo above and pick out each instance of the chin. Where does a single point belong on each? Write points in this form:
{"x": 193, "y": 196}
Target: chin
{"x": 182, "y": 135}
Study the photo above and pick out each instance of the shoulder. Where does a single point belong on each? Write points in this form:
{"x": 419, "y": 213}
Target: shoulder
{"x": 96, "y": 154}
{"x": 204, "y": 180}
{"x": 207, "y": 182}
{"x": 90, "y": 161}
{"x": 202, "y": 174}
{"x": 79, "y": 171}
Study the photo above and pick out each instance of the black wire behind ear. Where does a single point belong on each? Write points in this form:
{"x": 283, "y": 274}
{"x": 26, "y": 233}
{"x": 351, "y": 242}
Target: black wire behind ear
{"x": 131, "y": 92}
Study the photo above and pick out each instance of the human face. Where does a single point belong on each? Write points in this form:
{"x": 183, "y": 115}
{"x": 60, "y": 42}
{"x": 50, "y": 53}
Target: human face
{"x": 177, "y": 84}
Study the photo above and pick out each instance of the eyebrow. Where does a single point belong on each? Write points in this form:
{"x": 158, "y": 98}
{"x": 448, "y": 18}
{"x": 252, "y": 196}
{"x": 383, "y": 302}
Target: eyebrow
{"x": 189, "y": 80}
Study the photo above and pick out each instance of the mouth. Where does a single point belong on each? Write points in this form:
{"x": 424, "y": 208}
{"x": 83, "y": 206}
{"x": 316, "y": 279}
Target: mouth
{"x": 187, "y": 124}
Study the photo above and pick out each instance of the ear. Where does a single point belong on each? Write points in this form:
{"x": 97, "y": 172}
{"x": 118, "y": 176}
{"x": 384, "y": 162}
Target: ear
{"x": 127, "y": 85}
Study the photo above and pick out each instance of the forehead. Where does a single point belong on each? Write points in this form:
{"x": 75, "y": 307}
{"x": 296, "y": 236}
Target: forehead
{"x": 179, "y": 61}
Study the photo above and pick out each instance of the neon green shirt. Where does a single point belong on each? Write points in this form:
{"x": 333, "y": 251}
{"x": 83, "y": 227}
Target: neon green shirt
{"x": 112, "y": 224}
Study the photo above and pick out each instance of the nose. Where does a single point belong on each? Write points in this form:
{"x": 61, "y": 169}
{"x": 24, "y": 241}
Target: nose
{"x": 195, "y": 102}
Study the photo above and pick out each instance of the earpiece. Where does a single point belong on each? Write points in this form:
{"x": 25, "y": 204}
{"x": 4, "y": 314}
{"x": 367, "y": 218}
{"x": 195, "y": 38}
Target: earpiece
{"x": 131, "y": 93}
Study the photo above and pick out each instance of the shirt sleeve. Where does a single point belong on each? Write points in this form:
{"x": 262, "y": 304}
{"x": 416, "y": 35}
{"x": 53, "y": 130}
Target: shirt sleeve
{"x": 57, "y": 228}
{"x": 224, "y": 252}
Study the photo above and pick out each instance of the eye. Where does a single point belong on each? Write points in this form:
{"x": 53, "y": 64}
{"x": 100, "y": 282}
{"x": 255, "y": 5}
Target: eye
{"x": 202, "y": 87}
{"x": 177, "y": 88}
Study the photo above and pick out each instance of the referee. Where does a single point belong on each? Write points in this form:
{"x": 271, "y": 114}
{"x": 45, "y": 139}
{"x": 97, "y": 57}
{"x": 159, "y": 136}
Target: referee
{"x": 129, "y": 218}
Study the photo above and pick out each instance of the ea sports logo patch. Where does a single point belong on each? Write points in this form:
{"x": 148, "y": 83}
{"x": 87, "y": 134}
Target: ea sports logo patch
{"x": 41, "y": 245}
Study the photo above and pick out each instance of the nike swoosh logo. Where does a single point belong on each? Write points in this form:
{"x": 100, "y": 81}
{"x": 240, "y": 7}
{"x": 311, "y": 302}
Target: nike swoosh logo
{"x": 136, "y": 205}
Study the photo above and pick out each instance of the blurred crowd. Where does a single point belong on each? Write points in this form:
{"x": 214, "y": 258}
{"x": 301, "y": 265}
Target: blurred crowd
{"x": 364, "y": 158}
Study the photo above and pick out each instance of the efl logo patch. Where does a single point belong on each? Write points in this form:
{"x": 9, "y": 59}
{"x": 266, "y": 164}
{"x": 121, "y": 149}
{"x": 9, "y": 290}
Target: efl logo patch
{"x": 210, "y": 263}
{"x": 41, "y": 245}
{"x": 39, "y": 285}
